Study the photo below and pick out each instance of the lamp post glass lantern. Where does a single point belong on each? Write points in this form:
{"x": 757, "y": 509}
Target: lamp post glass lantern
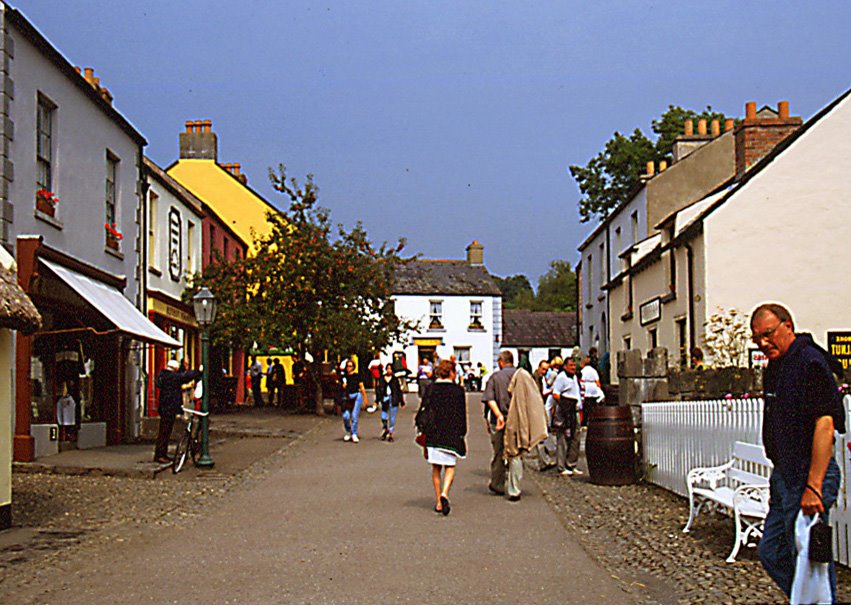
{"x": 205, "y": 312}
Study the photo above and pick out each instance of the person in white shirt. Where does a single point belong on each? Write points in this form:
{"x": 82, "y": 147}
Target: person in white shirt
{"x": 565, "y": 426}
{"x": 592, "y": 391}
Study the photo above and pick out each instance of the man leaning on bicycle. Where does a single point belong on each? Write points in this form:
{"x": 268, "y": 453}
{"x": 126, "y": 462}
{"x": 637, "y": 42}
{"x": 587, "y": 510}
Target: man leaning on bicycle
{"x": 170, "y": 382}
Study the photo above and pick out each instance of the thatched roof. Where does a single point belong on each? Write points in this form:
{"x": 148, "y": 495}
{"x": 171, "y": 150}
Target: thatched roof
{"x": 16, "y": 310}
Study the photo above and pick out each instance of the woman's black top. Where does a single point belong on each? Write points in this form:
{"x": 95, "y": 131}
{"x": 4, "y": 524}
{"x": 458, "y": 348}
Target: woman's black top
{"x": 447, "y": 417}
{"x": 392, "y": 387}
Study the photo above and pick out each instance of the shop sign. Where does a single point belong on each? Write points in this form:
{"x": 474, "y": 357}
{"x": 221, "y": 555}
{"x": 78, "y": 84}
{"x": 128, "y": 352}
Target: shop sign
{"x": 650, "y": 311}
{"x": 174, "y": 253}
{"x": 428, "y": 342}
{"x": 172, "y": 312}
{"x": 839, "y": 346}
{"x": 757, "y": 359}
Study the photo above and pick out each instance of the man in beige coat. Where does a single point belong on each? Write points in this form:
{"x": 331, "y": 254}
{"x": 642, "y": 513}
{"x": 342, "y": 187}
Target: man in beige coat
{"x": 526, "y": 424}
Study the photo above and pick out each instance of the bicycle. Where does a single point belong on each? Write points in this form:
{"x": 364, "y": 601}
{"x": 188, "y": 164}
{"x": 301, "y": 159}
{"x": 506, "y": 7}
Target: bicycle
{"x": 190, "y": 442}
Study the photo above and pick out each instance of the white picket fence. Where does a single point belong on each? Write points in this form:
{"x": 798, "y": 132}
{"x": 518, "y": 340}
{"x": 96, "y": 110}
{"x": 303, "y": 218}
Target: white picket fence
{"x": 677, "y": 436}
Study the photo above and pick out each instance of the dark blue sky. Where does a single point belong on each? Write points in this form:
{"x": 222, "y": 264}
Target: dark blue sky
{"x": 444, "y": 121}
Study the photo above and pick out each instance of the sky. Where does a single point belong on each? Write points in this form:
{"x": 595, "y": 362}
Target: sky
{"x": 443, "y": 122}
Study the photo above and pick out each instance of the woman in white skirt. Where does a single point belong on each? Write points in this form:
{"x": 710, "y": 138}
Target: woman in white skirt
{"x": 445, "y": 431}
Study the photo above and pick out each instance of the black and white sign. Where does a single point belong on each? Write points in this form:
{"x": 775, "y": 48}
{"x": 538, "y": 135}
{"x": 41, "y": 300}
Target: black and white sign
{"x": 650, "y": 311}
{"x": 175, "y": 258}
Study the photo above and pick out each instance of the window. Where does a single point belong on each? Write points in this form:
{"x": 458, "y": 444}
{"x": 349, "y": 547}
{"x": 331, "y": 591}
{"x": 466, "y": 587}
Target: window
{"x": 652, "y": 336}
{"x": 476, "y": 315}
{"x": 590, "y": 276}
{"x": 44, "y": 144}
{"x": 190, "y": 246}
{"x": 602, "y": 261}
{"x": 212, "y": 242}
{"x": 627, "y": 342}
{"x": 683, "y": 342}
{"x": 462, "y": 355}
{"x": 225, "y": 243}
{"x": 153, "y": 204}
{"x": 111, "y": 189}
{"x": 553, "y": 353}
{"x": 618, "y": 242}
{"x": 435, "y": 315}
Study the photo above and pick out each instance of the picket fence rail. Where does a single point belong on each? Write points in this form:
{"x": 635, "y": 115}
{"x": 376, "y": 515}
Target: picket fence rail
{"x": 677, "y": 436}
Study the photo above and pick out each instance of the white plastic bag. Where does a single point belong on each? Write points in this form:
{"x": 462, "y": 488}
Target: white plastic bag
{"x": 199, "y": 390}
{"x": 811, "y": 584}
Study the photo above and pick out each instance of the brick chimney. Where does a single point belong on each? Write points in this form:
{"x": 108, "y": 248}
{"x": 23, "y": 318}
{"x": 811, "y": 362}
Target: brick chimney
{"x": 760, "y": 132}
{"x": 476, "y": 253}
{"x": 199, "y": 142}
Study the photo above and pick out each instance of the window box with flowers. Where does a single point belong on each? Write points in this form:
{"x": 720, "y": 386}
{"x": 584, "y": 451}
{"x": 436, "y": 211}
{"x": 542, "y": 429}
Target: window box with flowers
{"x": 113, "y": 236}
{"x": 45, "y": 202}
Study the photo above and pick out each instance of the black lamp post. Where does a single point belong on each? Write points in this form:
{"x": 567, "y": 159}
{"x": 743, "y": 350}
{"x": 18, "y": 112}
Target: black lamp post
{"x": 205, "y": 312}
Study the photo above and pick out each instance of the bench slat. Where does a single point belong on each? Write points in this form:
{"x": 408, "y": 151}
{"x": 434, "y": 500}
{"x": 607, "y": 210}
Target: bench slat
{"x": 754, "y": 453}
{"x": 746, "y": 477}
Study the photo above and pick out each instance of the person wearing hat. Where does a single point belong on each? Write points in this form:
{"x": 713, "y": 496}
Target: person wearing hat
{"x": 170, "y": 382}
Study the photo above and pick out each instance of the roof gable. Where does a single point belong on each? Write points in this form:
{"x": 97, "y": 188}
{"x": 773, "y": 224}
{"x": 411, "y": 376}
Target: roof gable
{"x": 431, "y": 277}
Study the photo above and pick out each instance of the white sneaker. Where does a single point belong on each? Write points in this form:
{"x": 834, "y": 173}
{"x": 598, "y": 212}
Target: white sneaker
{"x": 371, "y": 409}
{"x": 355, "y": 438}
{"x": 347, "y": 437}
{"x": 567, "y": 472}
{"x": 578, "y": 472}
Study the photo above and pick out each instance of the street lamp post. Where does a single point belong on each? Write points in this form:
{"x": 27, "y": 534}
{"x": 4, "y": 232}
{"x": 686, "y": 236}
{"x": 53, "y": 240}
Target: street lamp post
{"x": 205, "y": 312}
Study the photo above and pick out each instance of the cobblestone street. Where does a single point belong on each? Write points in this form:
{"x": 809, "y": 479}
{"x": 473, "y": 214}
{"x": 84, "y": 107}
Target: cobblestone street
{"x": 72, "y": 525}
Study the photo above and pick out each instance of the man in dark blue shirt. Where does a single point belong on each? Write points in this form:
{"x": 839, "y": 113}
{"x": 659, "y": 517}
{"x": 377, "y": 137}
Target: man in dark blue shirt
{"x": 802, "y": 411}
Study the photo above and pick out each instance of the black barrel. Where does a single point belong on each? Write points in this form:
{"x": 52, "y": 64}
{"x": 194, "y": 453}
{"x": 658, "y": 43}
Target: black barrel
{"x": 610, "y": 446}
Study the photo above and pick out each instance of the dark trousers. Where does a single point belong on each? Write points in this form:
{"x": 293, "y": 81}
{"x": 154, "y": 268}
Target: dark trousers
{"x": 777, "y": 549}
{"x": 275, "y": 394}
{"x": 256, "y": 391}
{"x": 166, "y": 425}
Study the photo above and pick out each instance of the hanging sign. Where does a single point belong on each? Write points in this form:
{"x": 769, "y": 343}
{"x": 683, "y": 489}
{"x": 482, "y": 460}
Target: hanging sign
{"x": 174, "y": 252}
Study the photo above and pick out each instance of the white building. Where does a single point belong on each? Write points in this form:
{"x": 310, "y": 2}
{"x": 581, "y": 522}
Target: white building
{"x": 773, "y": 235}
{"x": 540, "y": 335}
{"x": 702, "y": 162}
{"x": 458, "y": 308}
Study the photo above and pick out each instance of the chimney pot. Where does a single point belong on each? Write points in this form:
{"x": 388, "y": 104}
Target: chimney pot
{"x": 89, "y": 73}
{"x": 783, "y": 110}
{"x": 716, "y": 127}
{"x": 77, "y": 69}
{"x": 197, "y": 126}
{"x": 96, "y": 82}
{"x": 728, "y": 124}
{"x": 701, "y": 126}
{"x": 663, "y": 164}
{"x": 236, "y": 167}
{"x": 207, "y": 125}
{"x": 750, "y": 110}
{"x": 189, "y": 126}
{"x": 651, "y": 168}
{"x": 689, "y": 127}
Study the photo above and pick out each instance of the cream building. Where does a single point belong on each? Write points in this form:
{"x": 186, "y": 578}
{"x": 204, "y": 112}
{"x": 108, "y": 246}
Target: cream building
{"x": 774, "y": 234}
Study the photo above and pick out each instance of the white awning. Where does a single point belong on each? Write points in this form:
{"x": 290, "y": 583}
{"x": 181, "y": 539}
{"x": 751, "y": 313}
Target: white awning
{"x": 111, "y": 303}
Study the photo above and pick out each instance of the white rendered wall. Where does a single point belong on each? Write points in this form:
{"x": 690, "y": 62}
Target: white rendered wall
{"x": 782, "y": 237}
{"x": 455, "y": 332}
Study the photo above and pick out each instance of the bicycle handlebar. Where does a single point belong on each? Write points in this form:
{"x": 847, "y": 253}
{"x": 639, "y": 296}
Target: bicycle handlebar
{"x": 195, "y": 412}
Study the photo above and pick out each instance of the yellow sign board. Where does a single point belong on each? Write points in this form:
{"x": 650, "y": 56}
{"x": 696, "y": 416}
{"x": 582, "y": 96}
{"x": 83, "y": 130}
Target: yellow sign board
{"x": 428, "y": 342}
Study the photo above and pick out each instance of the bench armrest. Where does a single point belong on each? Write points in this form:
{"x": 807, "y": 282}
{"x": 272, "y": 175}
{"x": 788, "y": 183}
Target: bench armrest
{"x": 707, "y": 475}
{"x": 752, "y": 492}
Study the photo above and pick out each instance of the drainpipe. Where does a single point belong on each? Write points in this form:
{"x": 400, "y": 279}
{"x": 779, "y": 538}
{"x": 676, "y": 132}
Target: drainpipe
{"x": 608, "y": 298}
{"x": 690, "y": 273}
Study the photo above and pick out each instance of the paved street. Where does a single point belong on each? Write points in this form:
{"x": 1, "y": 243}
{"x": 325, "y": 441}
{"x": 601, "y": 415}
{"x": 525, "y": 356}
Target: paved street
{"x": 343, "y": 523}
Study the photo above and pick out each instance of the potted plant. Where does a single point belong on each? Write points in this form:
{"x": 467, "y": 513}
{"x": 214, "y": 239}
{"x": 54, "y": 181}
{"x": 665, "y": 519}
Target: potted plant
{"x": 113, "y": 236}
{"x": 46, "y": 201}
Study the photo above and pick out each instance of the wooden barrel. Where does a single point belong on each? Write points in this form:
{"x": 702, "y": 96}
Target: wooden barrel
{"x": 610, "y": 446}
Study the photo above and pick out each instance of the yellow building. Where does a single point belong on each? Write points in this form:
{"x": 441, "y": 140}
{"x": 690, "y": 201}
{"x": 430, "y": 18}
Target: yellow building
{"x": 221, "y": 186}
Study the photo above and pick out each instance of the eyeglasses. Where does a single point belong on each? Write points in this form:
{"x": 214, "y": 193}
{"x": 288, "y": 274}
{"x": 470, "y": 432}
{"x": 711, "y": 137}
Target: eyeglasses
{"x": 765, "y": 336}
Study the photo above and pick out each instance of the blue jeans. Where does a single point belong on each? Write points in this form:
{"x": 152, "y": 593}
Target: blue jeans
{"x": 350, "y": 417}
{"x": 388, "y": 417}
{"x": 777, "y": 549}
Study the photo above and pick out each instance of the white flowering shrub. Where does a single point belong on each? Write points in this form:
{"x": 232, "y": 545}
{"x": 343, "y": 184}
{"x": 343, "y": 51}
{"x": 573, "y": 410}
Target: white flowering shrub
{"x": 726, "y": 339}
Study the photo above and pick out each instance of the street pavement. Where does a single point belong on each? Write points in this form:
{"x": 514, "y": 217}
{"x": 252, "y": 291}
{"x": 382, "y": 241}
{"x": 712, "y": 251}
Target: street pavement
{"x": 338, "y": 522}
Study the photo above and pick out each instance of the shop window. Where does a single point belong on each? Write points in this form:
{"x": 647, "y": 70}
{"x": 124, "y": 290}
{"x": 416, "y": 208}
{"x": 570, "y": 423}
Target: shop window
{"x": 553, "y": 353}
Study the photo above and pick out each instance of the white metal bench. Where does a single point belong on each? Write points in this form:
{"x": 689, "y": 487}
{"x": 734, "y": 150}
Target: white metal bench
{"x": 740, "y": 487}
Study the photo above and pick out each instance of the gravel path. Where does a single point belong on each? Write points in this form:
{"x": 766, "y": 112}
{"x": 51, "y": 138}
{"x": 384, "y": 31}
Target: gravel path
{"x": 636, "y": 533}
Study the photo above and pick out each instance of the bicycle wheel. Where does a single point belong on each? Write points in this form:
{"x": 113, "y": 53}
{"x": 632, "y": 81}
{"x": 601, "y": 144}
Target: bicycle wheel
{"x": 181, "y": 452}
{"x": 195, "y": 448}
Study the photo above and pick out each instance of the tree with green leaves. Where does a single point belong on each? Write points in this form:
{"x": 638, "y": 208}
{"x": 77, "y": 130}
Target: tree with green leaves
{"x": 556, "y": 290}
{"x": 309, "y": 286}
{"x": 610, "y": 176}
{"x": 515, "y": 289}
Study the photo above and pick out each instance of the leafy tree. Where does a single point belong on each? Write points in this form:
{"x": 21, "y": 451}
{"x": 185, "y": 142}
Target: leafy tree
{"x": 557, "y": 288}
{"x": 310, "y": 286}
{"x": 609, "y": 177}
{"x": 514, "y": 288}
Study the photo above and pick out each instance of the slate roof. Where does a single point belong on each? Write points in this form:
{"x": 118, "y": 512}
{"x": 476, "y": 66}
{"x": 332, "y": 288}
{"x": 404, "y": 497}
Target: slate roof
{"x": 521, "y": 328}
{"x": 16, "y": 310}
{"x": 439, "y": 277}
